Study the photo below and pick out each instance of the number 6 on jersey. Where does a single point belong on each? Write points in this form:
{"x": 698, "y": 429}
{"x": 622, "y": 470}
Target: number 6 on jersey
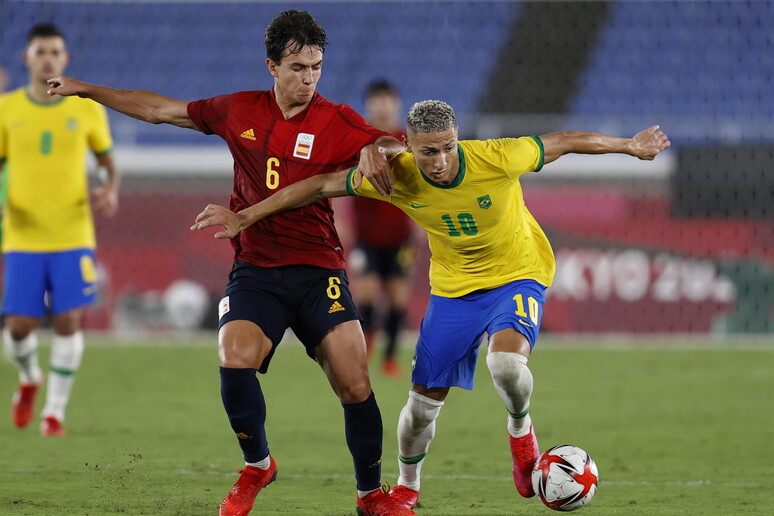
{"x": 272, "y": 176}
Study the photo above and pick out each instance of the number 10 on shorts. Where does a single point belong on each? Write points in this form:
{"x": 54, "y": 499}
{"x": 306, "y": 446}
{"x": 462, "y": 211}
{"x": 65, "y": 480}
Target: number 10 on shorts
{"x": 532, "y": 304}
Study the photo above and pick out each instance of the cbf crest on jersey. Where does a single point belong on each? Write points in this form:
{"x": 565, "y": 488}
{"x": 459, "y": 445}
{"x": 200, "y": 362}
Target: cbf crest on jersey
{"x": 484, "y": 201}
{"x": 303, "y": 148}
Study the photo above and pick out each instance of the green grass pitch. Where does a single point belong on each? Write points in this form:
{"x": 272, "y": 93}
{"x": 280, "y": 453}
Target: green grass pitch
{"x": 675, "y": 429}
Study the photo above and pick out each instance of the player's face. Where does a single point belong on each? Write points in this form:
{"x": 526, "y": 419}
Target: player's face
{"x": 296, "y": 75}
{"x": 383, "y": 111}
{"x": 46, "y": 58}
{"x": 436, "y": 154}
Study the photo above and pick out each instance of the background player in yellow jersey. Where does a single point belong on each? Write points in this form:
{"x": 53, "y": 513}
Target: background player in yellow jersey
{"x": 48, "y": 233}
{"x": 490, "y": 266}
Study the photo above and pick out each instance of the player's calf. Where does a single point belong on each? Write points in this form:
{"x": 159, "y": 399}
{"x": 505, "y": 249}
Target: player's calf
{"x": 513, "y": 382}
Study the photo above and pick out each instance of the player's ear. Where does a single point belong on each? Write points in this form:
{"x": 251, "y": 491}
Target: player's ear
{"x": 406, "y": 142}
{"x": 272, "y": 66}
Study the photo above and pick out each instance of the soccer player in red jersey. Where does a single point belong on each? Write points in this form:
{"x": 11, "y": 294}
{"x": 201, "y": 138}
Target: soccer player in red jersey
{"x": 288, "y": 271}
{"x": 383, "y": 256}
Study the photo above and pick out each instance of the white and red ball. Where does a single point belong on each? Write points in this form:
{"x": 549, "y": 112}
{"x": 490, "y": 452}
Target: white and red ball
{"x": 565, "y": 478}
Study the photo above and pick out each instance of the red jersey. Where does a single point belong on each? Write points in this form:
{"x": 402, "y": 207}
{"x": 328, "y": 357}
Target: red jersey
{"x": 393, "y": 227}
{"x": 270, "y": 153}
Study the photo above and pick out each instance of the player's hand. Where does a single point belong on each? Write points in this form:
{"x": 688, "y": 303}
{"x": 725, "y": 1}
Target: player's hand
{"x": 374, "y": 166}
{"x": 648, "y": 143}
{"x": 214, "y": 215}
{"x": 105, "y": 200}
{"x": 64, "y": 86}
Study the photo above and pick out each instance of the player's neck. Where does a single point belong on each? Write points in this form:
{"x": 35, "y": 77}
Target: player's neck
{"x": 287, "y": 107}
{"x": 38, "y": 91}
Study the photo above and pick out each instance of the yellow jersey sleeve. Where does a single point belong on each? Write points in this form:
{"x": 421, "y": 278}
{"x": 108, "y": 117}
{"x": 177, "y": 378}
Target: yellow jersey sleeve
{"x": 3, "y": 130}
{"x": 366, "y": 189}
{"x": 520, "y": 155}
{"x": 100, "y": 141}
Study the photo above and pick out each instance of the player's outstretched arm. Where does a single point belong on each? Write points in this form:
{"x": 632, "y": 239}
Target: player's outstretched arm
{"x": 143, "y": 105}
{"x": 291, "y": 197}
{"x": 643, "y": 145}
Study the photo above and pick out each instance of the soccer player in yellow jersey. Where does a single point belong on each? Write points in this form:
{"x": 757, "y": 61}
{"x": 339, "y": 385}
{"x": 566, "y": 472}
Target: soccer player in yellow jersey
{"x": 48, "y": 233}
{"x": 490, "y": 266}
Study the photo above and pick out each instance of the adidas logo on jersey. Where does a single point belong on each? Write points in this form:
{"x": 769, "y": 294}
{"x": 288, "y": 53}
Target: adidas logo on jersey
{"x": 336, "y": 307}
{"x": 249, "y": 134}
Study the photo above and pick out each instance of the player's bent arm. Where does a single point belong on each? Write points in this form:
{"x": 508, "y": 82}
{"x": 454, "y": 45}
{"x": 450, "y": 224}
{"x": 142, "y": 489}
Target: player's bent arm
{"x": 644, "y": 145}
{"x": 296, "y": 195}
{"x": 374, "y": 165}
{"x": 143, "y": 105}
{"x": 106, "y": 196}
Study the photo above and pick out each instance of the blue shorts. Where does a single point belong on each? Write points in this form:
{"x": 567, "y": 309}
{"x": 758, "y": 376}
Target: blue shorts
{"x": 310, "y": 300}
{"x": 452, "y": 330}
{"x": 61, "y": 281}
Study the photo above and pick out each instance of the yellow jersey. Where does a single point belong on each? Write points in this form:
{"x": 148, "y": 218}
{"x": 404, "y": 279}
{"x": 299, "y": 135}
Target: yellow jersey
{"x": 481, "y": 234}
{"x": 44, "y": 147}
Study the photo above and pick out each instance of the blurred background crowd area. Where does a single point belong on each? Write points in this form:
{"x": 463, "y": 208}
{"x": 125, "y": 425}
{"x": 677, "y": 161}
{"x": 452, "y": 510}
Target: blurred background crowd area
{"x": 681, "y": 244}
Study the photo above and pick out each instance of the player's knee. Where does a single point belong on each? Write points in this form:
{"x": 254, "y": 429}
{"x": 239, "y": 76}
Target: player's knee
{"x": 242, "y": 347}
{"x": 19, "y": 328}
{"x": 420, "y": 411}
{"x": 67, "y": 351}
{"x": 354, "y": 391}
{"x": 510, "y": 372}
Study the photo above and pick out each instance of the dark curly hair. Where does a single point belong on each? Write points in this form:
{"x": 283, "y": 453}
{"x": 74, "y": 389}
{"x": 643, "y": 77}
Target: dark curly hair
{"x": 298, "y": 28}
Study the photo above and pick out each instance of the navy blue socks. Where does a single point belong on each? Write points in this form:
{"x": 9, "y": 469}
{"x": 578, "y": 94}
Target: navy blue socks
{"x": 246, "y": 409}
{"x": 363, "y": 429}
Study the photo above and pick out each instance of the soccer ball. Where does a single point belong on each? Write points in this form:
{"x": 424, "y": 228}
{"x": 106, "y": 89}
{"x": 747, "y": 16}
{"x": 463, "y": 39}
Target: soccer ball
{"x": 565, "y": 478}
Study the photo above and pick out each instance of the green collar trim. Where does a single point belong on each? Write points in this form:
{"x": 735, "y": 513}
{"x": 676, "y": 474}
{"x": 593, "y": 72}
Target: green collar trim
{"x": 42, "y": 104}
{"x": 460, "y": 175}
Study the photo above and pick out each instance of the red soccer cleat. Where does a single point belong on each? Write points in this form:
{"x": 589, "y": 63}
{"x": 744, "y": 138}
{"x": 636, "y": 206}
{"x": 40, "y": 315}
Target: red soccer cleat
{"x": 240, "y": 499}
{"x": 381, "y": 503}
{"x": 404, "y": 496}
{"x": 23, "y": 404}
{"x": 525, "y": 453}
{"x": 391, "y": 368}
{"x": 51, "y": 427}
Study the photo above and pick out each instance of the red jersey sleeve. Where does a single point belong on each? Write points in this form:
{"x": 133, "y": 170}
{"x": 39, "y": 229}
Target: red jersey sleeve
{"x": 361, "y": 135}
{"x": 210, "y": 115}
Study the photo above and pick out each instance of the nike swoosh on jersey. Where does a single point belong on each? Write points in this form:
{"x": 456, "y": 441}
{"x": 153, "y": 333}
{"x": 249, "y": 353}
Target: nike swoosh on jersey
{"x": 417, "y": 206}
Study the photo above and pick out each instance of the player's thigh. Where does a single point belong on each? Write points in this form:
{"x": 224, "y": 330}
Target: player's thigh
{"x": 515, "y": 316}
{"x": 25, "y": 281}
{"x": 342, "y": 355}
{"x": 243, "y": 344}
{"x": 251, "y": 325}
{"x": 449, "y": 340}
{"x": 73, "y": 279}
{"x": 397, "y": 291}
{"x": 321, "y": 305}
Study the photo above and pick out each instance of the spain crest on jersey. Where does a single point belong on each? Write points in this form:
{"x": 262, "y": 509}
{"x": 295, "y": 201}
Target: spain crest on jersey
{"x": 303, "y": 148}
{"x": 484, "y": 201}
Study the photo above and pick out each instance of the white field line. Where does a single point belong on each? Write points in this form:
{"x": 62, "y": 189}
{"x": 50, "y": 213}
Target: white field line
{"x": 554, "y": 342}
{"x": 479, "y": 478}
{"x": 509, "y": 480}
